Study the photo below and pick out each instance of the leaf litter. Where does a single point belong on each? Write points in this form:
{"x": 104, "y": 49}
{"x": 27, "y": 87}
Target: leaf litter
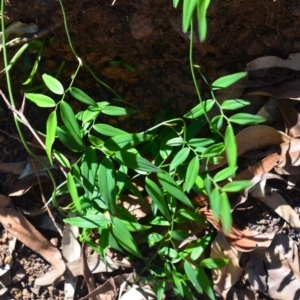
{"x": 265, "y": 257}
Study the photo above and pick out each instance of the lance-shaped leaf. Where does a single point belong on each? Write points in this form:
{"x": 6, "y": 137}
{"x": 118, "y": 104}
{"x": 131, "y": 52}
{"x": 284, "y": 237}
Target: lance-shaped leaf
{"x": 82, "y": 96}
{"x": 89, "y": 168}
{"x": 50, "y": 133}
{"x": 200, "y": 109}
{"x": 107, "y": 183}
{"x": 73, "y": 192}
{"x": 192, "y": 276}
{"x": 226, "y": 81}
{"x": 53, "y": 84}
{"x": 90, "y": 221}
{"x": 234, "y": 104}
{"x": 225, "y": 213}
{"x": 187, "y": 12}
{"x": 155, "y": 193}
{"x": 135, "y": 161}
{"x": 201, "y": 17}
{"x": 68, "y": 139}
{"x": 70, "y": 121}
{"x": 173, "y": 189}
{"x": 108, "y": 130}
{"x": 214, "y": 199}
{"x": 247, "y": 119}
{"x": 124, "y": 237}
{"x": 236, "y": 186}
{"x": 126, "y": 141}
{"x": 40, "y": 100}
{"x": 117, "y": 111}
{"x": 191, "y": 173}
{"x": 179, "y": 158}
{"x": 230, "y": 147}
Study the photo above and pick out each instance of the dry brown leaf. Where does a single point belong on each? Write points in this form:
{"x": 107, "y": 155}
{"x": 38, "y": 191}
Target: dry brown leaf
{"x": 95, "y": 263}
{"x": 15, "y": 168}
{"x": 4, "y": 201}
{"x": 15, "y": 223}
{"x": 139, "y": 293}
{"x": 291, "y": 119}
{"x": 71, "y": 251}
{"x": 275, "y": 270}
{"x": 224, "y": 278}
{"x": 106, "y": 290}
{"x": 242, "y": 240}
{"x": 135, "y": 206}
{"x": 292, "y": 62}
{"x": 289, "y": 90}
{"x": 274, "y": 200}
{"x": 22, "y": 186}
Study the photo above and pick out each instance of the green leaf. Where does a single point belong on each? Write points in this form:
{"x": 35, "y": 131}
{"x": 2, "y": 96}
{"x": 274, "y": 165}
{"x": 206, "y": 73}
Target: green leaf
{"x": 247, "y": 119}
{"x": 177, "y": 280}
{"x": 90, "y": 221}
{"x": 191, "y": 173}
{"x": 230, "y": 147}
{"x": 16, "y": 57}
{"x": 214, "y": 199}
{"x": 89, "y": 166}
{"x": 192, "y": 276}
{"x": 179, "y": 235}
{"x": 108, "y": 130}
{"x": 200, "y": 109}
{"x": 53, "y": 84}
{"x": 117, "y": 111}
{"x": 173, "y": 189}
{"x": 226, "y": 218}
{"x": 214, "y": 263}
{"x": 67, "y": 139}
{"x": 88, "y": 115}
{"x": 225, "y": 173}
{"x": 236, "y": 186}
{"x": 159, "y": 286}
{"x": 160, "y": 220}
{"x": 70, "y": 121}
{"x": 216, "y": 123}
{"x": 175, "y": 3}
{"x": 107, "y": 183}
{"x": 177, "y": 141}
{"x": 50, "y": 133}
{"x": 201, "y": 142}
{"x": 61, "y": 159}
{"x": 124, "y": 237}
{"x": 82, "y": 96}
{"x": 189, "y": 7}
{"x": 226, "y": 81}
{"x": 121, "y": 177}
{"x": 154, "y": 238}
{"x": 104, "y": 242}
{"x": 205, "y": 283}
{"x": 234, "y": 104}
{"x": 157, "y": 197}
{"x": 201, "y": 17}
{"x": 199, "y": 250}
{"x": 213, "y": 150}
{"x": 191, "y": 215}
{"x": 126, "y": 141}
{"x": 135, "y": 162}
{"x": 73, "y": 192}
{"x": 40, "y": 100}
{"x": 179, "y": 158}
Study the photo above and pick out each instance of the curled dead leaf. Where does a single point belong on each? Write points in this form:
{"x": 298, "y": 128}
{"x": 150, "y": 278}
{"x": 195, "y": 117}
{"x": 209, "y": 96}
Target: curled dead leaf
{"x": 243, "y": 240}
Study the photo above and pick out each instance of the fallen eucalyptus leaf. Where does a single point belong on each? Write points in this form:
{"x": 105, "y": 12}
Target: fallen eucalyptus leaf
{"x": 224, "y": 278}
{"x": 15, "y": 223}
{"x": 139, "y": 293}
{"x": 15, "y": 168}
{"x": 275, "y": 271}
{"x": 292, "y": 62}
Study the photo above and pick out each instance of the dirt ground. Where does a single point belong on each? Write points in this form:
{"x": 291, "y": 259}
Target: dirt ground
{"x": 146, "y": 35}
